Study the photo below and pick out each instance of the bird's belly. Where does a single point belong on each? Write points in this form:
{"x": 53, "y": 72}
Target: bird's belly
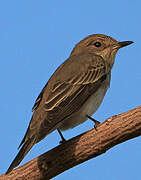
{"x": 89, "y": 108}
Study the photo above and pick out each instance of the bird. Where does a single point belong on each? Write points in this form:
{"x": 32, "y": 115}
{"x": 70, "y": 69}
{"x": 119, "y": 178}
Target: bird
{"x": 73, "y": 93}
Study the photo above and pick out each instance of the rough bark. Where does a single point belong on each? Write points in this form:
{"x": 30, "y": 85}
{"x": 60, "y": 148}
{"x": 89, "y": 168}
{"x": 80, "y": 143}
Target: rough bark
{"x": 112, "y": 131}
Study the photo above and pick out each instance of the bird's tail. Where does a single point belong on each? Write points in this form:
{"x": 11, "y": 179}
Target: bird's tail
{"x": 22, "y": 153}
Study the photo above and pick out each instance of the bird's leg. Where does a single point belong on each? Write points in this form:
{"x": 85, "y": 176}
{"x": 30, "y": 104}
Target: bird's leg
{"x": 95, "y": 121}
{"x": 62, "y": 137}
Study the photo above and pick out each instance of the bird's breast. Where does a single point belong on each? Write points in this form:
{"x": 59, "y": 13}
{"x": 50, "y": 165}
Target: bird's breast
{"x": 93, "y": 103}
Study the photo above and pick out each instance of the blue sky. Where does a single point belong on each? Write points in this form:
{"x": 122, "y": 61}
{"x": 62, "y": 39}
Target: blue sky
{"x": 35, "y": 38}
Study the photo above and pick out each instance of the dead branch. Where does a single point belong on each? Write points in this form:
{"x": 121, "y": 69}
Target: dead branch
{"x": 113, "y": 131}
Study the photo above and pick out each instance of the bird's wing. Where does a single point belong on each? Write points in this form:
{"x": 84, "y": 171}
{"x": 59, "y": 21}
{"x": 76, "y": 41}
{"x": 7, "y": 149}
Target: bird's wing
{"x": 70, "y": 90}
{"x": 76, "y": 76}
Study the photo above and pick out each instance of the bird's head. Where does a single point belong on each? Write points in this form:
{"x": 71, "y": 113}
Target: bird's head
{"x": 101, "y": 45}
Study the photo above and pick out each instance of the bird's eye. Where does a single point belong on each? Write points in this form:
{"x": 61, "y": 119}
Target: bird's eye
{"x": 97, "y": 44}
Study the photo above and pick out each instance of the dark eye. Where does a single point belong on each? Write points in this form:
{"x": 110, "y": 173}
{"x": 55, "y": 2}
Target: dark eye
{"x": 97, "y": 44}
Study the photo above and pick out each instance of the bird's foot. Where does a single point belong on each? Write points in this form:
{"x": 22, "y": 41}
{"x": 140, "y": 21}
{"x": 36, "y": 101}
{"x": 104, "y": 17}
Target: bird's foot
{"x": 62, "y": 137}
{"x": 62, "y": 141}
{"x": 95, "y": 121}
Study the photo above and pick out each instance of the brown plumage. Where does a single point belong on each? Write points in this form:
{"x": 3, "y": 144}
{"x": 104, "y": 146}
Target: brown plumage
{"x": 75, "y": 90}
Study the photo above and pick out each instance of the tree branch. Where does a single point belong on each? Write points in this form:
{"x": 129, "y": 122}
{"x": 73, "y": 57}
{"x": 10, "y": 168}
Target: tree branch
{"x": 113, "y": 131}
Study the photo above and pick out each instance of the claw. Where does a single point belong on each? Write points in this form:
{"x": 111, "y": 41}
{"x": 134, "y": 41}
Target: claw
{"x": 95, "y": 121}
{"x": 62, "y": 141}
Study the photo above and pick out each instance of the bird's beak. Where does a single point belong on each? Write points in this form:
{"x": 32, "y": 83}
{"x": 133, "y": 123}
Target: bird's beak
{"x": 124, "y": 43}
